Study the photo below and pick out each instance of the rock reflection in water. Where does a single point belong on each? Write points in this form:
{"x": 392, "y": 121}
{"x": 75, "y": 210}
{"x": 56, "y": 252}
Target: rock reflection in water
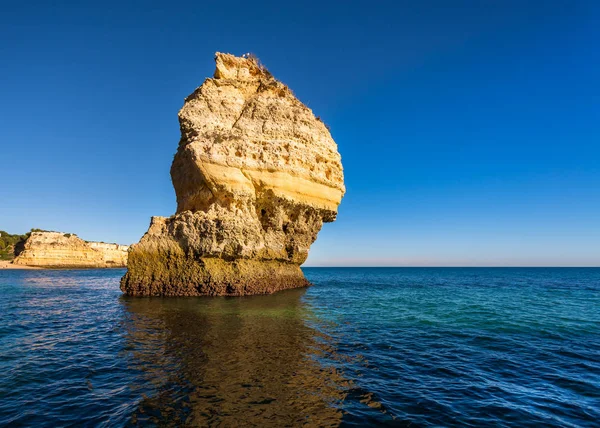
{"x": 232, "y": 361}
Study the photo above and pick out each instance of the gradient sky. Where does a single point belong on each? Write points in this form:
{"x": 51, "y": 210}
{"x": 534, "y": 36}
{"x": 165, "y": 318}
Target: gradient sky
{"x": 469, "y": 130}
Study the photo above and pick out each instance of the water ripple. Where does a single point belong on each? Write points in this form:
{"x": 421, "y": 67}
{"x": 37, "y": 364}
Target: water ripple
{"x": 399, "y": 347}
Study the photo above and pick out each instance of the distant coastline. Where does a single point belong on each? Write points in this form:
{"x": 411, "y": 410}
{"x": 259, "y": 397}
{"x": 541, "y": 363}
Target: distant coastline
{"x": 9, "y": 265}
{"x": 43, "y": 249}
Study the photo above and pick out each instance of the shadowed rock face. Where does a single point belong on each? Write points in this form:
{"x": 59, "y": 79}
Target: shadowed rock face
{"x": 256, "y": 175}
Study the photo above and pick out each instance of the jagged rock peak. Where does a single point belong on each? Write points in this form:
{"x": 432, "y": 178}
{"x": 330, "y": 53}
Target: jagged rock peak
{"x": 247, "y": 67}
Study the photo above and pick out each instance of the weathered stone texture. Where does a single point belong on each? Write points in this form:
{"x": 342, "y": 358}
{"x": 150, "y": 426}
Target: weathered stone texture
{"x": 256, "y": 175}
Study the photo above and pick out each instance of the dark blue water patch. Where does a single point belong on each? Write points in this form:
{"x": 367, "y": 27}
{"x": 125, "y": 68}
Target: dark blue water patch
{"x": 363, "y": 346}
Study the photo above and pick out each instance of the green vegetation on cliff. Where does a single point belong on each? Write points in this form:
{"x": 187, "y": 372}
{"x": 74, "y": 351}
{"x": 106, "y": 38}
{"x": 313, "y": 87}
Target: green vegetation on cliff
{"x": 12, "y": 245}
{"x": 8, "y": 244}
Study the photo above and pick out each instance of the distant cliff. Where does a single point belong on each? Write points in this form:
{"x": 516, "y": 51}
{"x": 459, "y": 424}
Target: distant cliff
{"x": 65, "y": 250}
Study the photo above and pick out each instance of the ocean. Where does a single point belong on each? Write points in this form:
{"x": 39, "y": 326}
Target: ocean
{"x": 412, "y": 347}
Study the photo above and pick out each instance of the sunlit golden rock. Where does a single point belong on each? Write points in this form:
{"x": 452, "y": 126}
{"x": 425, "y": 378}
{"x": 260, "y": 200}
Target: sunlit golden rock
{"x": 256, "y": 175}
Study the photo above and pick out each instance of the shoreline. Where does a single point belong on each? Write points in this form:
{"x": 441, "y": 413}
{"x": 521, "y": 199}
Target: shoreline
{"x": 7, "y": 264}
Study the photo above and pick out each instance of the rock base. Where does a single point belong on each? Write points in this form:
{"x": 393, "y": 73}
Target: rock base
{"x": 169, "y": 274}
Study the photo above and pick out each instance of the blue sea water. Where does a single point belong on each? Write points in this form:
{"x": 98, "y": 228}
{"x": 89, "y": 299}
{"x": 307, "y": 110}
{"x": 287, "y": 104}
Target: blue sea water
{"x": 363, "y": 346}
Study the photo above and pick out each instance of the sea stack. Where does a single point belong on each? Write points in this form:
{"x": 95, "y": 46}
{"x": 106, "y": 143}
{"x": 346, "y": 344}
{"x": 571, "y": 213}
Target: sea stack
{"x": 256, "y": 175}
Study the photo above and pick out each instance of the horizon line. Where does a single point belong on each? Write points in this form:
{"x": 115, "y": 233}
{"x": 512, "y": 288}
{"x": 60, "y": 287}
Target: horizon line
{"x": 462, "y": 267}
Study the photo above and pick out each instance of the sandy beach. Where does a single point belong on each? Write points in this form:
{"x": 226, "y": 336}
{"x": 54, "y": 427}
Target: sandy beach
{"x": 5, "y": 264}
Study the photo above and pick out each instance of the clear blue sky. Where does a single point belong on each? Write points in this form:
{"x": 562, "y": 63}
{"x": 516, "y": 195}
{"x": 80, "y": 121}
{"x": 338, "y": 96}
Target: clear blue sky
{"x": 469, "y": 130}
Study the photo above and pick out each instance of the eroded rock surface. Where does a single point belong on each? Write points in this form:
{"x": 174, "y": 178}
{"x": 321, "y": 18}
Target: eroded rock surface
{"x": 65, "y": 250}
{"x": 256, "y": 175}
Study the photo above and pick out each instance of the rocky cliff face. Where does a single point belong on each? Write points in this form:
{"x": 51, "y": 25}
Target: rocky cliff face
{"x": 64, "y": 250}
{"x": 256, "y": 175}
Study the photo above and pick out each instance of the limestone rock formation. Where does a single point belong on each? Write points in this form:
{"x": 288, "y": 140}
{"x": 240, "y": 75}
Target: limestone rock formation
{"x": 256, "y": 175}
{"x": 65, "y": 250}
